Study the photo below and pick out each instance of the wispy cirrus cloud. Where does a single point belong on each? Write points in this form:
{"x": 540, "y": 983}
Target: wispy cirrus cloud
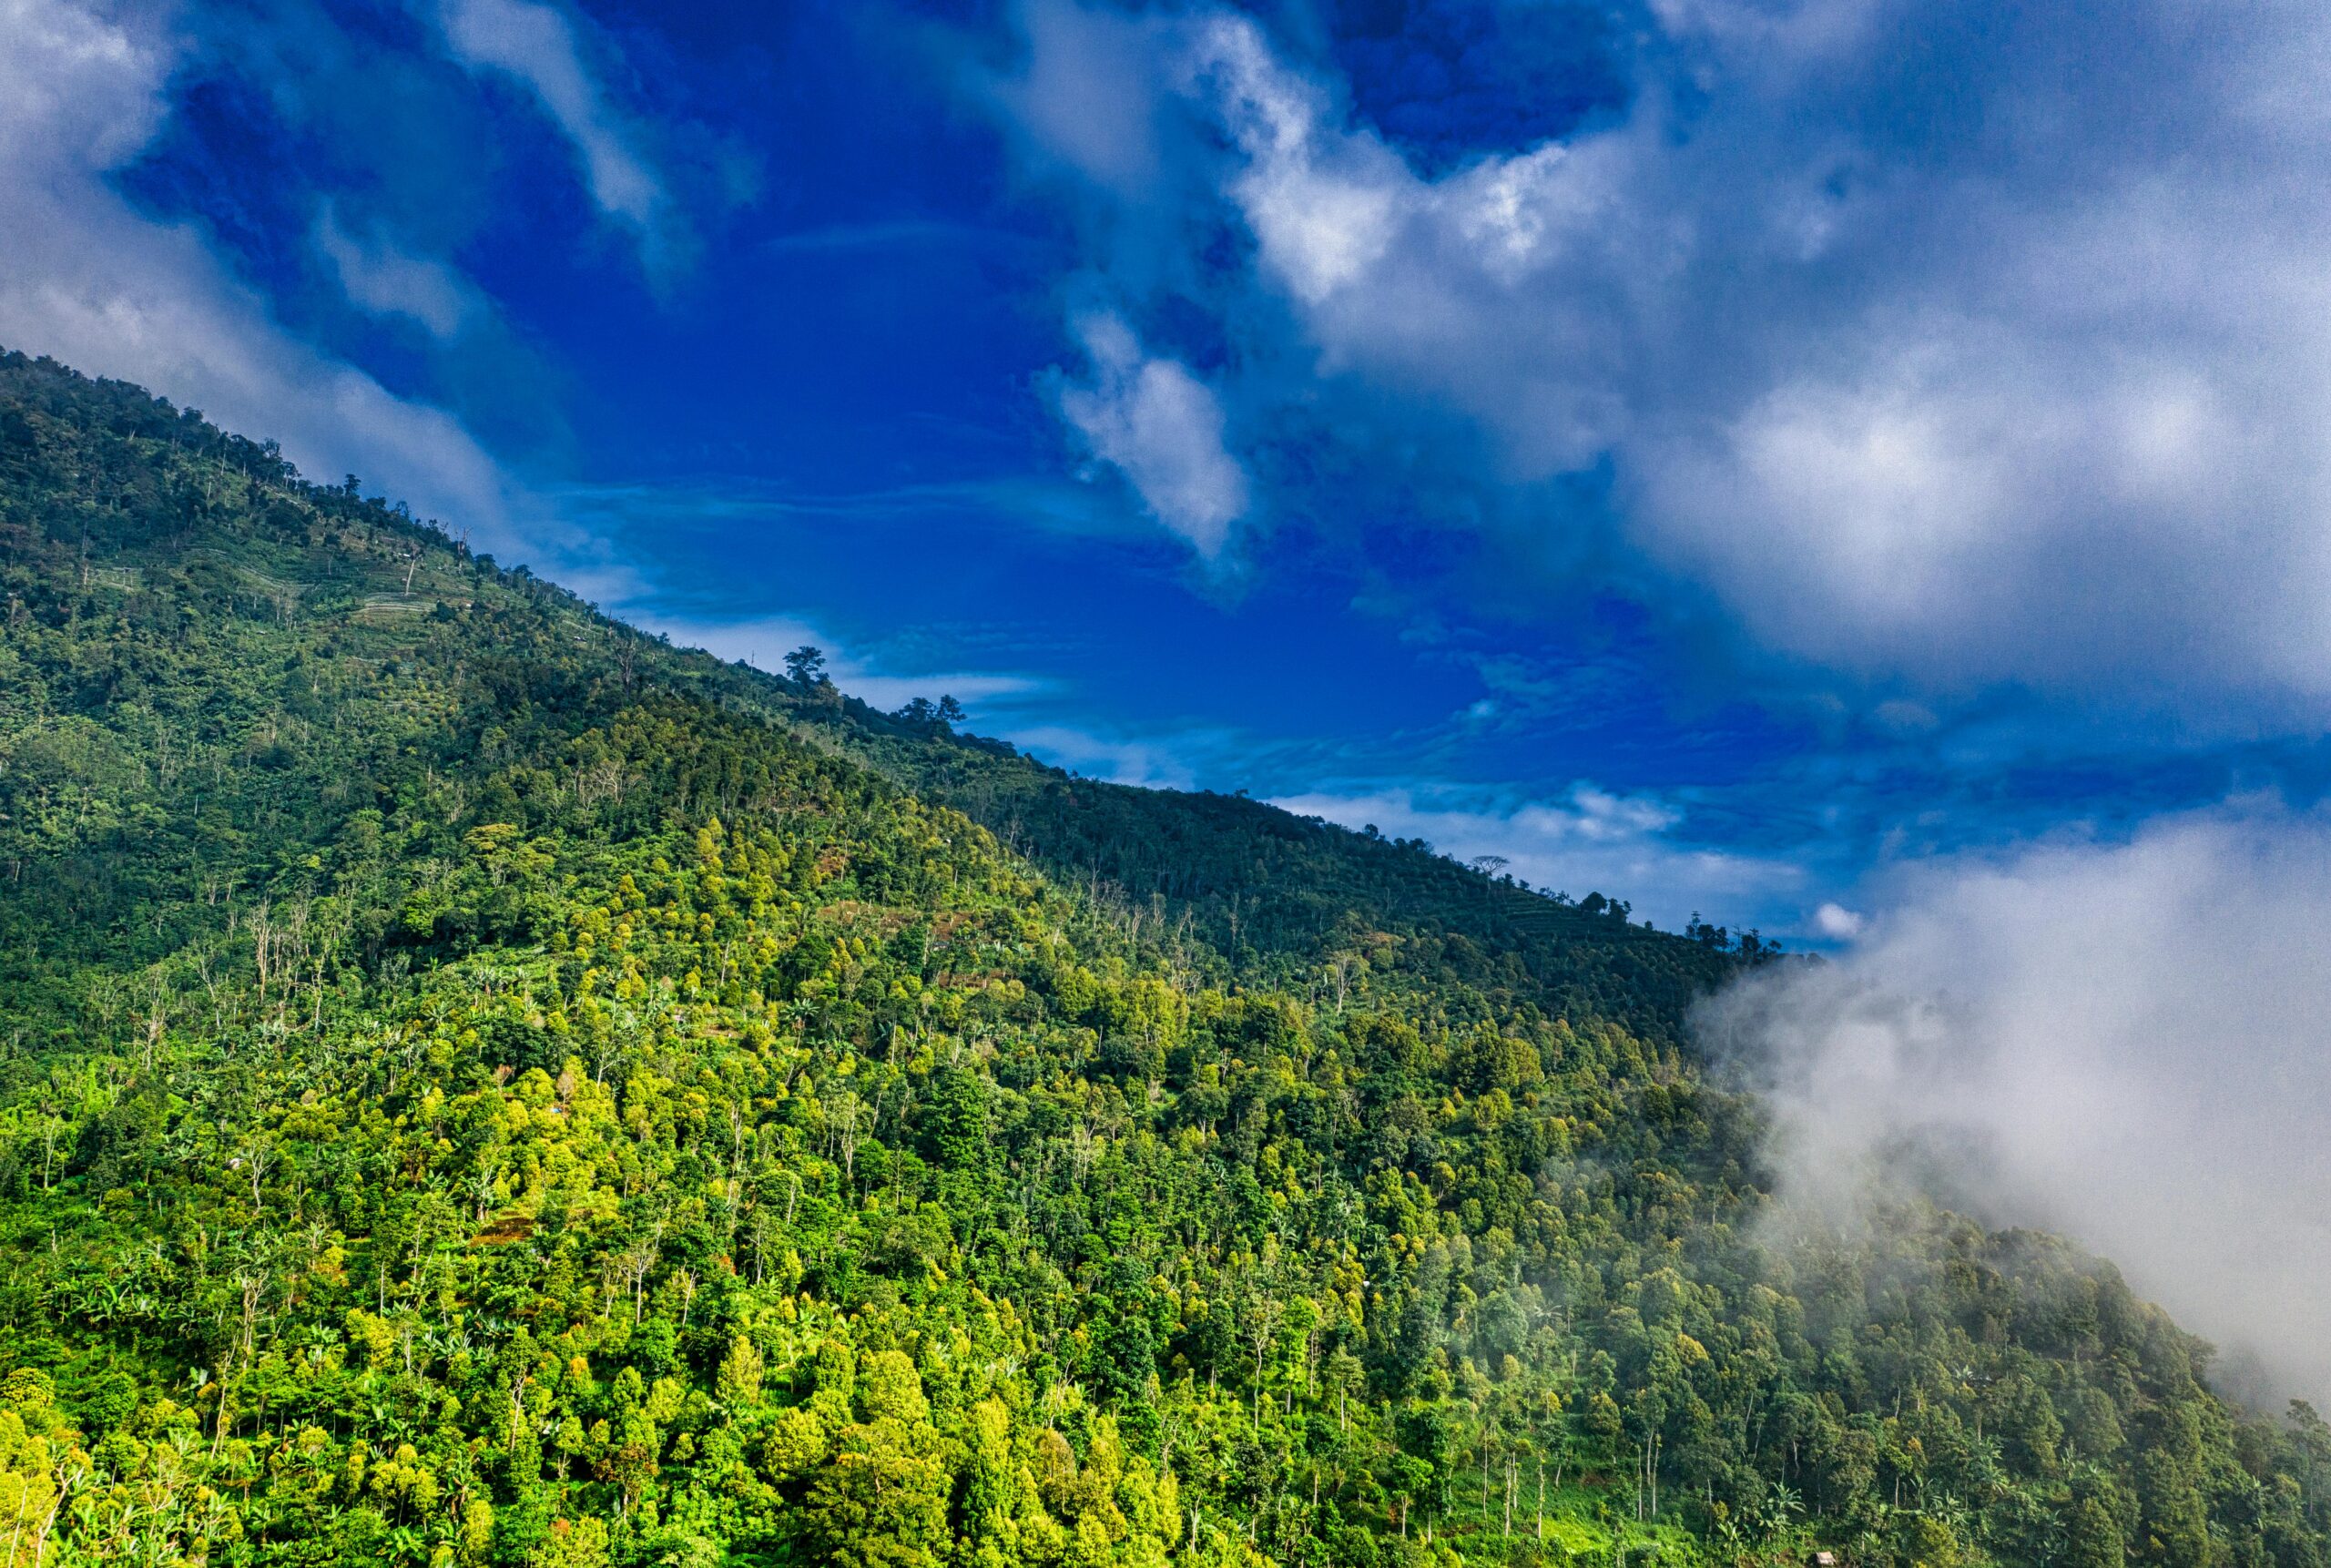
{"x": 384, "y": 279}
{"x": 875, "y": 676}
{"x": 537, "y": 47}
{"x": 1149, "y": 762}
{"x": 1582, "y": 841}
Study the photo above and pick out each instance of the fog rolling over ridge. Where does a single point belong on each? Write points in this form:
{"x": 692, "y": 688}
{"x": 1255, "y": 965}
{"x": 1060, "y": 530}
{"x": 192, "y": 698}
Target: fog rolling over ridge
{"x": 2130, "y": 1045}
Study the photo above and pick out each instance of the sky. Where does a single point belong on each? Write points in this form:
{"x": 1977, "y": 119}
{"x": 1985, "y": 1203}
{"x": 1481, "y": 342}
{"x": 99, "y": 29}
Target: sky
{"x": 1727, "y": 455}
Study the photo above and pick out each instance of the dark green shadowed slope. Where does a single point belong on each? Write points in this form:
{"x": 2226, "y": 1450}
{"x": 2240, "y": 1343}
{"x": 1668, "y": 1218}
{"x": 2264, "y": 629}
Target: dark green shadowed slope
{"x": 481, "y": 1085}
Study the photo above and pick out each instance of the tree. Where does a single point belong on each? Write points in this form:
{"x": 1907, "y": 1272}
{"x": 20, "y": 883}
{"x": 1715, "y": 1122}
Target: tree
{"x": 2091, "y": 1538}
{"x": 739, "y": 1383}
{"x": 805, "y": 667}
{"x": 881, "y": 1501}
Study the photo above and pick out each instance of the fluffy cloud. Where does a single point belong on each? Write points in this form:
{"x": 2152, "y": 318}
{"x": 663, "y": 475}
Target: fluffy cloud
{"x": 1956, "y": 344}
{"x": 1160, "y": 426}
{"x": 89, "y": 281}
{"x": 1837, "y": 922}
{"x": 2125, "y": 1044}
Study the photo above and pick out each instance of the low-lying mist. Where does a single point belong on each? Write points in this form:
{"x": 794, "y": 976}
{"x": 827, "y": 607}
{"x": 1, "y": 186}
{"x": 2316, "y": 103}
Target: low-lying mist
{"x": 2127, "y": 1044}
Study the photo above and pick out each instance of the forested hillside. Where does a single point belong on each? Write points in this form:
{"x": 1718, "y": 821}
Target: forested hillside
{"x": 481, "y": 1085}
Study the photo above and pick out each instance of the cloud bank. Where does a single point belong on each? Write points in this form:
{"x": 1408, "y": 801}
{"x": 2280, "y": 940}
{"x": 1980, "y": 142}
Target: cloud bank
{"x": 2127, "y": 1044}
{"x": 1952, "y": 345}
{"x": 91, "y": 282}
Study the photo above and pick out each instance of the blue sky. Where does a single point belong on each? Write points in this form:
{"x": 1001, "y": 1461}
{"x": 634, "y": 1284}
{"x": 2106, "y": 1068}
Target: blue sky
{"x": 1715, "y": 451}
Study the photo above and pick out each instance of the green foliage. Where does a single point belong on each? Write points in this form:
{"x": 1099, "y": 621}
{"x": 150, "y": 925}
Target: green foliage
{"x": 483, "y": 1087}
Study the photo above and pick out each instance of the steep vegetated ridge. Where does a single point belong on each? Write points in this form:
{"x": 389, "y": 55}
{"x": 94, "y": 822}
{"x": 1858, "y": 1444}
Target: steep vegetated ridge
{"x": 481, "y": 1085}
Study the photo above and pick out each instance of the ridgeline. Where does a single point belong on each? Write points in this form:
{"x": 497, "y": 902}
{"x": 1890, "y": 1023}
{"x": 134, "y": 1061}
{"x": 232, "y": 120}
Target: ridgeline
{"x": 481, "y": 1085}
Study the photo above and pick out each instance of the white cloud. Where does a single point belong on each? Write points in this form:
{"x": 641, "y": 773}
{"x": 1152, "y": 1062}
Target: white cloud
{"x": 2129, "y": 1043}
{"x": 85, "y": 279}
{"x": 535, "y": 45}
{"x": 1837, "y": 922}
{"x": 1150, "y": 764}
{"x": 764, "y": 641}
{"x": 1325, "y": 208}
{"x": 1590, "y": 840}
{"x": 384, "y": 281}
{"x": 1086, "y": 94}
{"x": 1162, "y": 427}
{"x": 1965, "y": 346}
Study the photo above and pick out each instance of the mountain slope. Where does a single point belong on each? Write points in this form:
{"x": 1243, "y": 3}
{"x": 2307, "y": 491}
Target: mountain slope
{"x": 481, "y": 1085}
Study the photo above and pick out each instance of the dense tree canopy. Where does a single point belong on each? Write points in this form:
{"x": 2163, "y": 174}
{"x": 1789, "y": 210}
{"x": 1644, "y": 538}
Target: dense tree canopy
{"x": 481, "y": 1085}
